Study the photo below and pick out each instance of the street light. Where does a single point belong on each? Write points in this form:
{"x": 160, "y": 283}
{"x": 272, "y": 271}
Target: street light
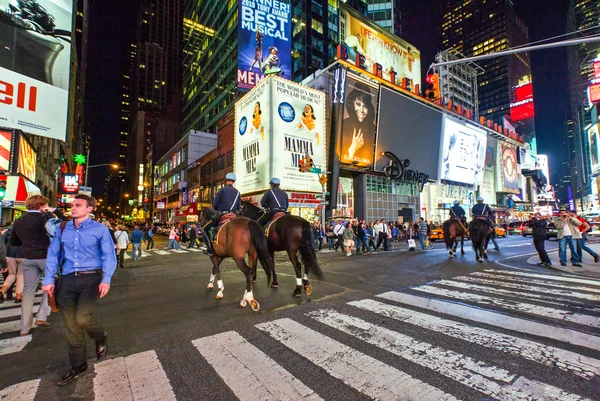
{"x": 87, "y": 167}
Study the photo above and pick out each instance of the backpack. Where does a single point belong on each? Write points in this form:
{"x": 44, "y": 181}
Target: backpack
{"x": 51, "y": 225}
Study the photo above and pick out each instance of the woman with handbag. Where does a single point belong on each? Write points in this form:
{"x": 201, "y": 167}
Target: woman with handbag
{"x": 122, "y": 244}
{"x": 173, "y": 239}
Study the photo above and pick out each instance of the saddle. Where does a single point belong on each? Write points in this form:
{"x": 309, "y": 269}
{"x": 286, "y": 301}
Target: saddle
{"x": 481, "y": 218}
{"x": 276, "y": 217}
{"x": 226, "y": 218}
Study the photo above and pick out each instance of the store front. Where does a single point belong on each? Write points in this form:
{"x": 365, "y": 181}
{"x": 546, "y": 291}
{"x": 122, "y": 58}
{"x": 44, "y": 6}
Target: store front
{"x": 305, "y": 205}
{"x": 18, "y": 189}
{"x": 393, "y": 200}
{"x": 187, "y": 213}
{"x": 437, "y": 199}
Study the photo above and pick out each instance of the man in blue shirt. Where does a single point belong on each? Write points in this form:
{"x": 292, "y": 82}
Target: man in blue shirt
{"x": 88, "y": 252}
{"x": 228, "y": 200}
{"x": 136, "y": 239}
{"x": 150, "y": 238}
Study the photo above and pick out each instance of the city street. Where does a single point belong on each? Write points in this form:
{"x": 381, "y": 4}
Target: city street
{"x": 394, "y": 325}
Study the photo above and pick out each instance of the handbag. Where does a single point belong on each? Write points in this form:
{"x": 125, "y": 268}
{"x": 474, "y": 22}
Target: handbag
{"x": 52, "y": 298}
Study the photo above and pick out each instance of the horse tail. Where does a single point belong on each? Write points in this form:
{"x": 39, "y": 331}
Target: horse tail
{"x": 447, "y": 236}
{"x": 477, "y": 231}
{"x": 259, "y": 241}
{"x": 307, "y": 251}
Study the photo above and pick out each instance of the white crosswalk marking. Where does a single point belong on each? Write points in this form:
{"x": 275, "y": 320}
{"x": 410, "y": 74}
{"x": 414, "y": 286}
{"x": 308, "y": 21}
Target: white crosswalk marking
{"x": 179, "y": 251}
{"x": 567, "y": 361}
{"x": 15, "y": 344}
{"x": 525, "y": 280}
{"x": 8, "y": 327}
{"x": 531, "y": 309}
{"x": 250, "y": 373}
{"x": 551, "y": 277}
{"x": 357, "y": 370}
{"x": 11, "y": 304}
{"x": 160, "y": 252}
{"x": 496, "y": 319}
{"x": 193, "y": 249}
{"x": 471, "y": 373}
{"x": 15, "y": 312}
{"x": 138, "y": 377}
{"x": 20, "y": 392}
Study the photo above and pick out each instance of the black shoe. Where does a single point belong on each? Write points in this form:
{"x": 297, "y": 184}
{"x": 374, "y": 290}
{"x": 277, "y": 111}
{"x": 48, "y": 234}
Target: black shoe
{"x": 596, "y": 259}
{"x": 101, "y": 348}
{"x": 577, "y": 264}
{"x": 563, "y": 264}
{"x": 1, "y": 298}
{"x": 72, "y": 375}
{"x": 548, "y": 264}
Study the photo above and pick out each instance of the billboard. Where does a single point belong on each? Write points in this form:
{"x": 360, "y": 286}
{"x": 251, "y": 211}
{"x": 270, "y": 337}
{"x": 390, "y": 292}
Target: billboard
{"x": 358, "y": 125}
{"x": 34, "y": 66}
{"x": 276, "y": 124}
{"x": 507, "y": 178}
{"x": 69, "y": 184}
{"x": 363, "y": 36}
{"x": 487, "y": 189}
{"x": 6, "y": 149}
{"x": 264, "y": 40}
{"x": 593, "y": 138}
{"x": 595, "y": 93}
{"x": 463, "y": 152}
{"x": 522, "y": 106}
{"x": 27, "y": 160}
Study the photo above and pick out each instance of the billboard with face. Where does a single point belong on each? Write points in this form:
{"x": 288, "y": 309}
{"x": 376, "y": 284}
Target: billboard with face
{"x": 264, "y": 40}
{"x": 508, "y": 168}
{"x": 464, "y": 148}
{"x": 363, "y": 36}
{"x": 35, "y": 40}
{"x": 27, "y": 160}
{"x": 594, "y": 137}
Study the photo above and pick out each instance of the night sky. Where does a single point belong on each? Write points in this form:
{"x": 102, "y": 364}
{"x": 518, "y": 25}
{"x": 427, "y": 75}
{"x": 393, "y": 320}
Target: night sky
{"x": 112, "y": 27}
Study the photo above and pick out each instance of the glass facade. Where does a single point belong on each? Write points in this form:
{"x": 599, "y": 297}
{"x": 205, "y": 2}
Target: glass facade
{"x": 385, "y": 198}
{"x": 387, "y": 14}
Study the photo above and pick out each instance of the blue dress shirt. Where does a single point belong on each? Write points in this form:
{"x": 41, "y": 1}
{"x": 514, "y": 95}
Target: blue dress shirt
{"x": 87, "y": 247}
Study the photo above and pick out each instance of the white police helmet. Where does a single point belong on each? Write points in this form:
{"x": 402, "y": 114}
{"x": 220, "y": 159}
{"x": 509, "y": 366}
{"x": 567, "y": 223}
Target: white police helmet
{"x": 456, "y": 202}
{"x": 479, "y": 199}
{"x": 230, "y": 177}
{"x": 275, "y": 181}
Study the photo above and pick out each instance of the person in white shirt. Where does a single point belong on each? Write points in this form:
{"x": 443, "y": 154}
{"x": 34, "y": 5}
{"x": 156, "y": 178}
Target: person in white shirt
{"x": 382, "y": 229}
{"x": 122, "y": 243}
{"x": 338, "y": 231}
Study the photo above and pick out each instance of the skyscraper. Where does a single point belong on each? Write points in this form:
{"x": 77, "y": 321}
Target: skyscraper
{"x": 387, "y": 14}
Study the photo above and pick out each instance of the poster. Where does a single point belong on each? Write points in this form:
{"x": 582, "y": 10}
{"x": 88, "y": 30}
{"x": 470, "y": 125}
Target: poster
{"x": 593, "y": 137}
{"x": 6, "y": 149}
{"x": 264, "y": 40}
{"x": 361, "y": 35}
{"x": 27, "y": 159}
{"x": 508, "y": 168}
{"x": 358, "y": 125}
{"x": 464, "y": 149}
{"x": 35, "y": 39}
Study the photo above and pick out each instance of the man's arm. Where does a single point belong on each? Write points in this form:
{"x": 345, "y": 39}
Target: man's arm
{"x": 575, "y": 221}
{"x": 264, "y": 199}
{"x": 217, "y": 199}
{"x": 109, "y": 258}
{"x": 14, "y": 237}
{"x": 52, "y": 260}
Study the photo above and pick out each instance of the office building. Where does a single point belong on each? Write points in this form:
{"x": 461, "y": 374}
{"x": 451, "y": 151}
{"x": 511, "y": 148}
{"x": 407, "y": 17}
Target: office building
{"x": 387, "y": 14}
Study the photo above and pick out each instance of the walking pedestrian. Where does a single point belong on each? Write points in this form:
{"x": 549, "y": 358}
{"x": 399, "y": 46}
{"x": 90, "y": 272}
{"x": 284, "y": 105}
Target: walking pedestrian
{"x": 539, "y": 239}
{"x": 193, "y": 236}
{"x": 568, "y": 233}
{"x": 584, "y": 228}
{"x": 338, "y": 231}
{"x": 89, "y": 264}
{"x": 14, "y": 277}
{"x": 136, "y": 239}
{"x": 370, "y": 238}
{"x": 122, "y": 244}
{"x": 150, "y": 238}
{"x": 382, "y": 229}
{"x": 173, "y": 239}
{"x": 29, "y": 231}
{"x": 422, "y": 233}
{"x": 348, "y": 236}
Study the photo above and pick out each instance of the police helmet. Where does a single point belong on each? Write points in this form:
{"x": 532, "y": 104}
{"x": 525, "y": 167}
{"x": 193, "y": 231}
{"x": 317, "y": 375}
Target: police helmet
{"x": 480, "y": 199}
{"x": 275, "y": 181}
{"x": 456, "y": 202}
{"x": 230, "y": 177}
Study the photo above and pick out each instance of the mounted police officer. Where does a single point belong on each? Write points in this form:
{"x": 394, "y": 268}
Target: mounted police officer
{"x": 274, "y": 201}
{"x": 228, "y": 200}
{"x": 457, "y": 212}
{"x": 482, "y": 210}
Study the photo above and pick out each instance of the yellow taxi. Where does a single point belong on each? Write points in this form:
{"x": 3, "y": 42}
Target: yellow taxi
{"x": 437, "y": 234}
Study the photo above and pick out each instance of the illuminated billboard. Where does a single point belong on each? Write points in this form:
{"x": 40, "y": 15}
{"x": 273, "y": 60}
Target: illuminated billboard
{"x": 593, "y": 138}
{"x": 522, "y": 106}
{"x": 508, "y": 169}
{"x": 6, "y": 149}
{"x": 276, "y": 124}
{"x": 464, "y": 149}
{"x": 362, "y": 36}
{"x": 595, "y": 93}
{"x": 27, "y": 160}
{"x": 35, "y": 38}
{"x": 264, "y": 41}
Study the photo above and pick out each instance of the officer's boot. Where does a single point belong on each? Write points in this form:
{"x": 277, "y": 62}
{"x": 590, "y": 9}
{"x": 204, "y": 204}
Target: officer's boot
{"x": 210, "y": 251}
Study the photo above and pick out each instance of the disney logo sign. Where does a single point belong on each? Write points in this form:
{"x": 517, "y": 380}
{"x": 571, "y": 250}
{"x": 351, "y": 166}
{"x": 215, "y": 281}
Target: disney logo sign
{"x": 398, "y": 170}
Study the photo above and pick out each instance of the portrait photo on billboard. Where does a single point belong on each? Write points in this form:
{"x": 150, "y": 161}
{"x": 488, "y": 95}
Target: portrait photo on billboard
{"x": 509, "y": 168}
{"x": 35, "y": 38}
{"x": 264, "y": 41}
{"x": 361, "y": 35}
{"x": 464, "y": 150}
{"x": 359, "y": 124}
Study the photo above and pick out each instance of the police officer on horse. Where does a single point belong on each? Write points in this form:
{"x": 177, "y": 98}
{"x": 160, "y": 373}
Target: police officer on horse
{"x": 457, "y": 212}
{"x": 228, "y": 200}
{"x": 484, "y": 212}
{"x": 274, "y": 201}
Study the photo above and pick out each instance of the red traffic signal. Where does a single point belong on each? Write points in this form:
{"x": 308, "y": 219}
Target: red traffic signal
{"x": 301, "y": 165}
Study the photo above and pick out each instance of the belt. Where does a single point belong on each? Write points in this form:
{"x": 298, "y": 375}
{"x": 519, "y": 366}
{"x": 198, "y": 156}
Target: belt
{"x": 86, "y": 272}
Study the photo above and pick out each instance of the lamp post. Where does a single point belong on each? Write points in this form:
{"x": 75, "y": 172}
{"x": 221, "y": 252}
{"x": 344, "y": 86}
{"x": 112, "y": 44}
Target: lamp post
{"x": 87, "y": 167}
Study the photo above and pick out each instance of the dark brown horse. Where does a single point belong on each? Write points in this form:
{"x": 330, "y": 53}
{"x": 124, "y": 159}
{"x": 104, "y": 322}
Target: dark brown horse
{"x": 292, "y": 234}
{"x": 453, "y": 230}
{"x": 235, "y": 239}
{"x": 481, "y": 234}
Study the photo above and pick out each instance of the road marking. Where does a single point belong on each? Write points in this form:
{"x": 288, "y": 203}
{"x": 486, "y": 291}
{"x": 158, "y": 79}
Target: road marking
{"x": 516, "y": 245}
{"x": 524, "y": 280}
{"x": 567, "y": 361}
{"x": 12, "y": 304}
{"x": 525, "y": 287}
{"x": 250, "y": 373}
{"x": 552, "y": 277}
{"x": 126, "y": 256}
{"x": 179, "y": 251}
{"x": 12, "y": 345}
{"x": 357, "y": 370}
{"x": 134, "y": 378}
{"x": 193, "y": 249}
{"x": 530, "y": 309}
{"x": 10, "y": 326}
{"x": 160, "y": 252}
{"x": 145, "y": 254}
{"x": 472, "y": 373}
{"x": 15, "y": 312}
{"x": 20, "y": 392}
{"x": 496, "y": 319}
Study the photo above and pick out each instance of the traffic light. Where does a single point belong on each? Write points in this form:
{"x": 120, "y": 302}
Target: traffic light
{"x": 2, "y": 189}
{"x": 323, "y": 179}
{"x": 310, "y": 163}
{"x": 433, "y": 86}
{"x": 301, "y": 165}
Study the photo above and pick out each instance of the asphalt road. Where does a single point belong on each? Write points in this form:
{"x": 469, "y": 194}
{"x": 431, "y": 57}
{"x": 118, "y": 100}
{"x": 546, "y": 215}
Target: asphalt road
{"x": 390, "y": 326}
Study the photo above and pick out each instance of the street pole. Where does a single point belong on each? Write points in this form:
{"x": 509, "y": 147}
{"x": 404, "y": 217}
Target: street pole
{"x": 87, "y": 166}
{"x": 323, "y": 204}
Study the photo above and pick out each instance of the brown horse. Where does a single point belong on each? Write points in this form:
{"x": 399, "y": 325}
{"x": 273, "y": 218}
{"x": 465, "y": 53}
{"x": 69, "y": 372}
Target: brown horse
{"x": 453, "y": 230}
{"x": 235, "y": 239}
{"x": 292, "y": 234}
{"x": 481, "y": 234}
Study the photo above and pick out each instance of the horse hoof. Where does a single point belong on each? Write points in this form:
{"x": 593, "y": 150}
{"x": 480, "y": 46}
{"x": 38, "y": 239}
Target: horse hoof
{"x": 243, "y": 303}
{"x": 254, "y": 305}
{"x": 210, "y": 286}
{"x": 308, "y": 289}
{"x": 275, "y": 284}
{"x": 219, "y": 296}
{"x": 297, "y": 292}
{"x": 480, "y": 260}
{"x": 462, "y": 252}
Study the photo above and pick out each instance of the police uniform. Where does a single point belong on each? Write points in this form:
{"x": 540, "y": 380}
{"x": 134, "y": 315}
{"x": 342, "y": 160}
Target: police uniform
{"x": 274, "y": 201}
{"x": 228, "y": 200}
{"x": 458, "y": 212}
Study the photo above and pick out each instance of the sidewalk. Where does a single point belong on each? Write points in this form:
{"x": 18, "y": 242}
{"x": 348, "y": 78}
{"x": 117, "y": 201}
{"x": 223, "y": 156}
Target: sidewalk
{"x": 589, "y": 268}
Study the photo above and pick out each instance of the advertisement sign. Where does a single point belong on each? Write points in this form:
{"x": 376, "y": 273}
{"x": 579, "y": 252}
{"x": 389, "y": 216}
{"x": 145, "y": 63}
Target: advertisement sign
{"x": 264, "y": 40}
{"x": 542, "y": 164}
{"x": 464, "y": 148}
{"x": 184, "y": 196}
{"x": 34, "y": 66}
{"x": 27, "y": 160}
{"x": 522, "y": 106}
{"x": 594, "y": 137}
{"x": 358, "y": 126}
{"x": 508, "y": 169}
{"x": 595, "y": 93}
{"x": 6, "y": 149}
{"x": 487, "y": 189}
{"x": 277, "y": 124}
{"x": 69, "y": 184}
{"x": 398, "y": 58}
{"x": 85, "y": 190}
{"x": 160, "y": 205}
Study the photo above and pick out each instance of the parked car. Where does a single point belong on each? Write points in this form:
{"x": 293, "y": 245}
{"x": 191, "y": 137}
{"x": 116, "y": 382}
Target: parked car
{"x": 500, "y": 231}
{"x": 527, "y": 229}
{"x": 514, "y": 227}
{"x": 551, "y": 231}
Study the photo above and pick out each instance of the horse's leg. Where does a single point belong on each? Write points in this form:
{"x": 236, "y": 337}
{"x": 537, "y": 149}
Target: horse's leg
{"x": 247, "y": 271}
{"x": 462, "y": 243}
{"x": 211, "y": 282}
{"x": 217, "y": 263}
{"x": 293, "y": 254}
{"x": 274, "y": 283}
{"x": 253, "y": 263}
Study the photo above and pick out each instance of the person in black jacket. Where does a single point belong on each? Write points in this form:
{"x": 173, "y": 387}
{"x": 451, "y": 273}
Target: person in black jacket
{"x": 14, "y": 257}
{"x": 539, "y": 238}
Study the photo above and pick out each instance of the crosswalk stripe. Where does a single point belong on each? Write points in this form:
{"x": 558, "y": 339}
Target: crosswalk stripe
{"x": 496, "y": 319}
{"x": 250, "y": 373}
{"x": 179, "y": 251}
{"x": 126, "y": 256}
{"x": 193, "y": 249}
{"x": 357, "y": 370}
{"x": 133, "y": 378}
{"x": 551, "y": 277}
{"x": 9, "y": 304}
{"x": 15, "y": 312}
{"x": 551, "y": 299}
{"x": 524, "y": 280}
{"x": 160, "y": 252}
{"x": 517, "y": 286}
{"x": 567, "y": 361}
{"x": 20, "y": 392}
{"x": 527, "y": 308}
{"x": 15, "y": 344}
{"x": 8, "y": 327}
{"x": 472, "y": 373}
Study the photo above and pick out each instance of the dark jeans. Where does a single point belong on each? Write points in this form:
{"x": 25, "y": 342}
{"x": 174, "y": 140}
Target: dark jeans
{"x": 77, "y": 299}
{"x": 540, "y": 247}
{"x": 150, "y": 243}
{"x": 383, "y": 239}
{"x": 581, "y": 246}
{"x": 121, "y": 257}
{"x": 339, "y": 242}
{"x": 193, "y": 242}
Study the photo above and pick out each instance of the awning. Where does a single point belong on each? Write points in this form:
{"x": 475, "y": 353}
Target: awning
{"x": 18, "y": 188}
{"x": 188, "y": 210}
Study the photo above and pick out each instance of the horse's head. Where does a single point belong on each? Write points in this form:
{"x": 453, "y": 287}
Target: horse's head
{"x": 206, "y": 214}
{"x": 250, "y": 210}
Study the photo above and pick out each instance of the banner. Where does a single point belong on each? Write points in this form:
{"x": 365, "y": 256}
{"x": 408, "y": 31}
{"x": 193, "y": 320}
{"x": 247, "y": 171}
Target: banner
{"x": 507, "y": 168}
{"x": 594, "y": 137}
{"x": 264, "y": 40}
{"x": 27, "y": 160}
{"x": 464, "y": 148}
{"x": 358, "y": 126}
{"x": 363, "y": 36}
{"x": 6, "y": 149}
{"x": 34, "y": 66}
